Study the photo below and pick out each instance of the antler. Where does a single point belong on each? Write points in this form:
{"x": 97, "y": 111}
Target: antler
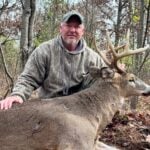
{"x": 113, "y": 62}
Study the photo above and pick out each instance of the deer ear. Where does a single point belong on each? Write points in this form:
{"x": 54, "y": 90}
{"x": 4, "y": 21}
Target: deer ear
{"x": 94, "y": 71}
{"x": 107, "y": 72}
{"x": 104, "y": 72}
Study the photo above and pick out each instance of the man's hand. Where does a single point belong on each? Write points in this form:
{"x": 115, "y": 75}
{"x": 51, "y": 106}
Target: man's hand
{"x": 8, "y": 101}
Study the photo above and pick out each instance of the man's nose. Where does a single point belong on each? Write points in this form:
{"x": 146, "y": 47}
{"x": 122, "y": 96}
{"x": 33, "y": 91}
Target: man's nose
{"x": 72, "y": 29}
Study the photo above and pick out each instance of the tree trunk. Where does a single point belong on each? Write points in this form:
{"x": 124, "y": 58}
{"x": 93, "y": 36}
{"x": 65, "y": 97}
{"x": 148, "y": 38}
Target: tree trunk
{"x": 138, "y": 58}
{"x": 117, "y": 26}
{"x": 140, "y": 31}
{"x": 146, "y": 35}
{"x": 28, "y": 16}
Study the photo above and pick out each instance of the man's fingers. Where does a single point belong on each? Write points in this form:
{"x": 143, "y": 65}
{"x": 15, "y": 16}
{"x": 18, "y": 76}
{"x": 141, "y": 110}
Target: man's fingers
{"x": 2, "y": 104}
{"x": 7, "y": 103}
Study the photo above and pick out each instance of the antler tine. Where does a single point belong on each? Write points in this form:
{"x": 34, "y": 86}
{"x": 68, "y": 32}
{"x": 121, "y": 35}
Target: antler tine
{"x": 119, "y": 47}
{"x": 114, "y": 63}
{"x": 132, "y": 52}
{"x": 127, "y": 41}
{"x": 102, "y": 54}
{"x": 112, "y": 49}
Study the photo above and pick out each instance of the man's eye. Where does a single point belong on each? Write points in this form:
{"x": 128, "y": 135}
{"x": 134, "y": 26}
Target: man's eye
{"x": 67, "y": 25}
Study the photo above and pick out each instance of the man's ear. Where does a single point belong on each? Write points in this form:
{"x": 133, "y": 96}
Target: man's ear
{"x": 104, "y": 72}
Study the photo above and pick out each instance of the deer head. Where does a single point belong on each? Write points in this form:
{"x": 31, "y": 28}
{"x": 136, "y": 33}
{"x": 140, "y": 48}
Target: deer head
{"x": 130, "y": 84}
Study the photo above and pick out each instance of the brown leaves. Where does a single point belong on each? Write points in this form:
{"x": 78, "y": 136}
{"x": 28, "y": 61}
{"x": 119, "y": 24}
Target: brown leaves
{"x": 129, "y": 131}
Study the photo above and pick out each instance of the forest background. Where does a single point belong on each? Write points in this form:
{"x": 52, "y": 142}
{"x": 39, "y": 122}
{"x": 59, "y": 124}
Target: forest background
{"x": 24, "y": 24}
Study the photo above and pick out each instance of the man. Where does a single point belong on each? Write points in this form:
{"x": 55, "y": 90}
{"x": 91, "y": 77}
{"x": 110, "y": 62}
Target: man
{"x": 57, "y": 67}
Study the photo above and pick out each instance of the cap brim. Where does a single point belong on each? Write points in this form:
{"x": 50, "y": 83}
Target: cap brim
{"x": 72, "y": 15}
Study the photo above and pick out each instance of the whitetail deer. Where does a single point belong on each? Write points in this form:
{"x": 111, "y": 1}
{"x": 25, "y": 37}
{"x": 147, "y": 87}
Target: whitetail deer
{"x": 71, "y": 122}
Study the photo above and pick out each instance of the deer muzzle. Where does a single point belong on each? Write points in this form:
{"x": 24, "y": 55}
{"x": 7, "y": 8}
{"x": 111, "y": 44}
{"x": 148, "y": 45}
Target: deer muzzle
{"x": 146, "y": 92}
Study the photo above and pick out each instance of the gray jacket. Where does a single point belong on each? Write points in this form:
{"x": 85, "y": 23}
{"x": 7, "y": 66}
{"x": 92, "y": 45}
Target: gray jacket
{"x": 56, "y": 71}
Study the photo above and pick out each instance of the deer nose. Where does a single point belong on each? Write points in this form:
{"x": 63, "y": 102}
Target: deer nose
{"x": 146, "y": 91}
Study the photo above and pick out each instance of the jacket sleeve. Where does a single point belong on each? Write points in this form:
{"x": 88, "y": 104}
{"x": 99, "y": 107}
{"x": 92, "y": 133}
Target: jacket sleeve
{"x": 32, "y": 76}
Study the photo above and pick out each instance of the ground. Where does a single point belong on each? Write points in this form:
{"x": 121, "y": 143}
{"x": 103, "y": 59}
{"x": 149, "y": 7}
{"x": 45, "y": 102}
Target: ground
{"x": 130, "y": 130}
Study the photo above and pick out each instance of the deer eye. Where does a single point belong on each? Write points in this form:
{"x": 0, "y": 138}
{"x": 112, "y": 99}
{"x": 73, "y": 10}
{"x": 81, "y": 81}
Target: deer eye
{"x": 131, "y": 80}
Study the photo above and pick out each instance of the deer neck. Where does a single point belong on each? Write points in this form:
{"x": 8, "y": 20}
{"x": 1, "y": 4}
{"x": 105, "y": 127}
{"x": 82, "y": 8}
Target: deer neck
{"x": 102, "y": 100}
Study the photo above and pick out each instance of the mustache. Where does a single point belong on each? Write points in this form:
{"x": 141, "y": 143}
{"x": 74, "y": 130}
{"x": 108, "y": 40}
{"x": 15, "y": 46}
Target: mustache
{"x": 71, "y": 34}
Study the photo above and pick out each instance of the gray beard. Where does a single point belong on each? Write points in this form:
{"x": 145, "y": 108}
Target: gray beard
{"x": 72, "y": 42}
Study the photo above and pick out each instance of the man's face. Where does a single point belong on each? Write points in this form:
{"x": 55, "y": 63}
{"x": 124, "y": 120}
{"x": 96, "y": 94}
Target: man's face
{"x": 72, "y": 32}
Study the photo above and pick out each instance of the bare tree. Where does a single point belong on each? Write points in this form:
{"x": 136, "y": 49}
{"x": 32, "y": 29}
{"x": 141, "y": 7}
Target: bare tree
{"x": 28, "y": 16}
{"x": 146, "y": 34}
{"x": 9, "y": 31}
{"x": 121, "y": 16}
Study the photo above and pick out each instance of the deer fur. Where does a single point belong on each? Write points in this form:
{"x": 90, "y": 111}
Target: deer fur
{"x": 70, "y": 122}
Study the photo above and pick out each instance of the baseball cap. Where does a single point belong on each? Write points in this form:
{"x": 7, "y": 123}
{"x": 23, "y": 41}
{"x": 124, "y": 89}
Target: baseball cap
{"x": 71, "y": 14}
